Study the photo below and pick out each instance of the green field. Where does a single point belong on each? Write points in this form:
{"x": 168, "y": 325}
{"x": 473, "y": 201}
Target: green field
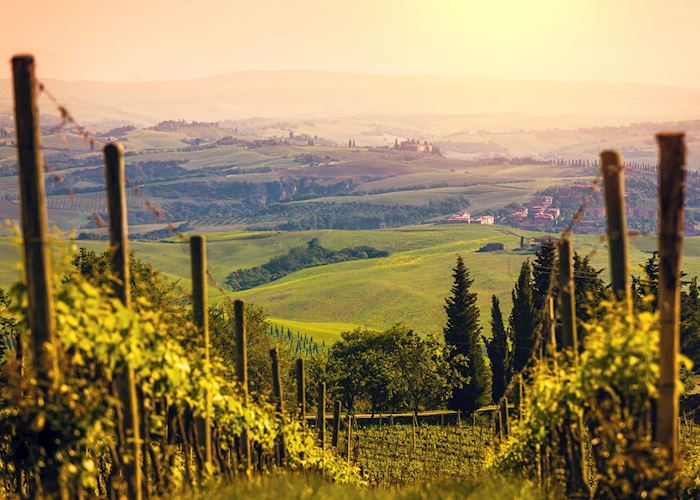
{"x": 408, "y": 286}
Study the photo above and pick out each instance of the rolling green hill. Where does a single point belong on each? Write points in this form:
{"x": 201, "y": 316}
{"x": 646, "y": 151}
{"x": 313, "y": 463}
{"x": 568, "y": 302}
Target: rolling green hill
{"x": 409, "y": 285}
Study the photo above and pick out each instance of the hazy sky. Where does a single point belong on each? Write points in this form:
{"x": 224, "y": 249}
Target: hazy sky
{"x": 653, "y": 41}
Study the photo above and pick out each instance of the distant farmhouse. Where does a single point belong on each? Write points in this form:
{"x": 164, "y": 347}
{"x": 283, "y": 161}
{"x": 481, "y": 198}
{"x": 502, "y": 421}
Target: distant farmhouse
{"x": 414, "y": 146}
{"x": 466, "y": 218}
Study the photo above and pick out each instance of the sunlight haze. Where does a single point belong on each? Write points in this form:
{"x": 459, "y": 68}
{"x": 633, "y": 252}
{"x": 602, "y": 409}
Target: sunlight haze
{"x": 136, "y": 40}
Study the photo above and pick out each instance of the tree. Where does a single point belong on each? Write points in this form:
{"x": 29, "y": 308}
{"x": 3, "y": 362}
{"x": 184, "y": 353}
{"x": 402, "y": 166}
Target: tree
{"x": 347, "y": 368}
{"x": 389, "y": 370}
{"x": 146, "y": 282}
{"x": 645, "y": 287}
{"x": 646, "y": 297}
{"x": 523, "y": 319}
{"x": 426, "y": 375}
{"x": 544, "y": 269}
{"x": 497, "y": 349}
{"x": 462, "y": 334}
{"x": 589, "y": 291}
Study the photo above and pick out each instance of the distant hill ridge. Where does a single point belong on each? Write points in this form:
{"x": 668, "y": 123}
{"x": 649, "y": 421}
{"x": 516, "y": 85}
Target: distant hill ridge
{"x": 294, "y": 93}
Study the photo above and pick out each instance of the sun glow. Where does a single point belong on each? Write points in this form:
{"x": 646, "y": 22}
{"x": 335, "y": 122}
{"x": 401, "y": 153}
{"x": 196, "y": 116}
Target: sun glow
{"x": 627, "y": 40}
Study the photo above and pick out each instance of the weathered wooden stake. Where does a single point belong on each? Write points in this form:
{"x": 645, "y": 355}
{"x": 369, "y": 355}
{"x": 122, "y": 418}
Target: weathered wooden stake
{"x": 277, "y": 381}
{"x": 278, "y": 396}
{"x": 301, "y": 391}
{"x": 321, "y": 414}
{"x": 242, "y": 372}
{"x": 35, "y": 237}
{"x": 119, "y": 252}
{"x": 497, "y": 421}
{"x": 552, "y": 323}
{"x": 198, "y": 254}
{"x": 349, "y": 419}
{"x": 672, "y": 172}
{"x": 521, "y": 397}
{"x": 414, "y": 424}
{"x": 336, "y": 424}
{"x": 614, "y": 183}
{"x": 567, "y": 305}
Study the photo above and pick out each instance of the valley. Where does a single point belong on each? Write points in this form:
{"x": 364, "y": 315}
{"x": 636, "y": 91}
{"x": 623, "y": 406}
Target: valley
{"x": 407, "y": 286}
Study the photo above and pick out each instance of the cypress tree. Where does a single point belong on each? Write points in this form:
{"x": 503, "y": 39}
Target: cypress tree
{"x": 523, "y": 318}
{"x": 647, "y": 285}
{"x": 462, "y": 332}
{"x": 543, "y": 270}
{"x": 589, "y": 290}
{"x": 497, "y": 348}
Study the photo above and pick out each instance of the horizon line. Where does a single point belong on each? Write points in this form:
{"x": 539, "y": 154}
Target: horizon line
{"x": 374, "y": 74}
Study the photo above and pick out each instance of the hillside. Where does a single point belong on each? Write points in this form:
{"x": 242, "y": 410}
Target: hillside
{"x": 409, "y": 285}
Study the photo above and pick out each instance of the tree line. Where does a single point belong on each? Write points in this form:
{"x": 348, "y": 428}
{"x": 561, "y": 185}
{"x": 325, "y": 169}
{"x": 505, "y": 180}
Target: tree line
{"x": 512, "y": 341}
{"x": 311, "y": 255}
{"x": 398, "y": 369}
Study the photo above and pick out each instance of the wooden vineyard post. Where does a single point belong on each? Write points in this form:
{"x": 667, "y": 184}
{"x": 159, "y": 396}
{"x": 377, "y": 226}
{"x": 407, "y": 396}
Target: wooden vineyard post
{"x": 35, "y": 239}
{"x": 552, "y": 323}
{"x": 198, "y": 254}
{"x": 349, "y": 417}
{"x": 279, "y": 399}
{"x": 576, "y": 470}
{"x": 119, "y": 256}
{"x": 301, "y": 391}
{"x": 35, "y": 242}
{"x": 671, "y": 171}
{"x": 614, "y": 183}
{"x": 521, "y": 397}
{"x": 277, "y": 381}
{"x": 242, "y": 373}
{"x": 413, "y": 433}
{"x": 567, "y": 304}
{"x": 321, "y": 414}
{"x": 497, "y": 423}
{"x": 336, "y": 424}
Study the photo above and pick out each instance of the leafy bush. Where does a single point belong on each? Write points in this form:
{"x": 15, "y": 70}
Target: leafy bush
{"x": 599, "y": 408}
{"x": 395, "y": 369}
{"x": 69, "y": 432}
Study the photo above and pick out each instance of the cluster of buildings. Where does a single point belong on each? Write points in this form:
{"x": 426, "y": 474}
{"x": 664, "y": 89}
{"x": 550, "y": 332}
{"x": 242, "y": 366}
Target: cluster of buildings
{"x": 414, "y": 146}
{"x": 464, "y": 217}
{"x": 594, "y": 219}
{"x": 538, "y": 215}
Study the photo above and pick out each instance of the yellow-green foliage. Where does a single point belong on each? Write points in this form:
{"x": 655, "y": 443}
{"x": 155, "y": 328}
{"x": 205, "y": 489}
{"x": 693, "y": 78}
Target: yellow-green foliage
{"x": 610, "y": 391}
{"x": 98, "y": 336}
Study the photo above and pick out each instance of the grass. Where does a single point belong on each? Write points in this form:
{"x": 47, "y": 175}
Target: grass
{"x": 321, "y": 332}
{"x": 407, "y": 286}
{"x": 298, "y": 486}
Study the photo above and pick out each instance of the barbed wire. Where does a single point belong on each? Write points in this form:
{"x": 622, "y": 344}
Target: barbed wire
{"x": 68, "y": 118}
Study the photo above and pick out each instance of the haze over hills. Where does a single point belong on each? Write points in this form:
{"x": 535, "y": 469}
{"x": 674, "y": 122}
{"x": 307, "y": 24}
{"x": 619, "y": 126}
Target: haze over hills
{"x": 308, "y": 94}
